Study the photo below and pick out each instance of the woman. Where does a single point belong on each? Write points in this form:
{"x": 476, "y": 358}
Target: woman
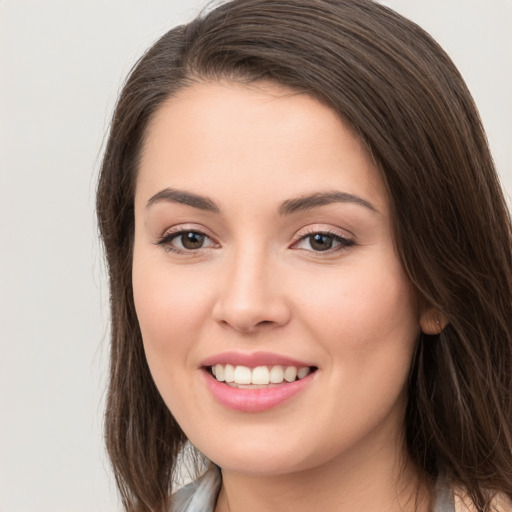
{"x": 310, "y": 269}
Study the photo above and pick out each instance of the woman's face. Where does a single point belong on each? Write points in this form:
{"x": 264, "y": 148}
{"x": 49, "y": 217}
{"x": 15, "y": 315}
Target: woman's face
{"x": 263, "y": 240}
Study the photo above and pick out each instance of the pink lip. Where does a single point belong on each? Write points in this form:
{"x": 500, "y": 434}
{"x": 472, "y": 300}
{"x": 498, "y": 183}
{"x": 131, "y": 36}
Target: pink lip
{"x": 252, "y": 360}
{"x": 255, "y": 400}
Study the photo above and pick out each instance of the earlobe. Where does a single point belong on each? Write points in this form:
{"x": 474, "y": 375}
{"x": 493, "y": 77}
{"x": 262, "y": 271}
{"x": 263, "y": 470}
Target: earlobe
{"x": 432, "y": 321}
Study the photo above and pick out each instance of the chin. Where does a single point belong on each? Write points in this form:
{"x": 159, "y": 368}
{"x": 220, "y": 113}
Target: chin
{"x": 262, "y": 465}
{"x": 265, "y": 457}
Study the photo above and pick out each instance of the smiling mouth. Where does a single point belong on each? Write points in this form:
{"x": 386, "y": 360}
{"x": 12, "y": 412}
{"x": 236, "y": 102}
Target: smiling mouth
{"x": 258, "y": 377}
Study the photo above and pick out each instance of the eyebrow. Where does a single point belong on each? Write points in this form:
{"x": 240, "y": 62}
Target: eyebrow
{"x": 288, "y": 207}
{"x": 172, "y": 195}
{"x": 321, "y": 199}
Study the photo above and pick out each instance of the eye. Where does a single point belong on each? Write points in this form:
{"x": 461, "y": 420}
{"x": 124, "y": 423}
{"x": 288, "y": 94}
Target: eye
{"x": 186, "y": 241}
{"x": 190, "y": 240}
{"x": 323, "y": 242}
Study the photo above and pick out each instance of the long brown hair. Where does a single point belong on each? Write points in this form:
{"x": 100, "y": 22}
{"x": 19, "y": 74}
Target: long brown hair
{"x": 398, "y": 90}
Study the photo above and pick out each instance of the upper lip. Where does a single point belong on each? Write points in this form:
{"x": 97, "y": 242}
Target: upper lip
{"x": 253, "y": 359}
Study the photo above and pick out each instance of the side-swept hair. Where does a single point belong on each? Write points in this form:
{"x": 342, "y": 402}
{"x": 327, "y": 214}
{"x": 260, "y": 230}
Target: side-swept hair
{"x": 398, "y": 90}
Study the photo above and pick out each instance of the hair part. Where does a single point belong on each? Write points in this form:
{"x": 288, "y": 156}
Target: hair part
{"x": 398, "y": 90}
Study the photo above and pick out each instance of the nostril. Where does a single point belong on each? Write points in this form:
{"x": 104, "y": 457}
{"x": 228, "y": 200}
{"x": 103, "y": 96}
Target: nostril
{"x": 248, "y": 302}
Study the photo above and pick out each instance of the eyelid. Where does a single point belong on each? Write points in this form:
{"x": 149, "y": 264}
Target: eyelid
{"x": 322, "y": 229}
{"x": 179, "y": 228}
{"x": 172, "y": 232}
{"x": 343, "y": 240}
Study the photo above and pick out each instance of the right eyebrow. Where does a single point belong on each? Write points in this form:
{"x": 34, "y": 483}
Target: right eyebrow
{"x": 173, "y": 195}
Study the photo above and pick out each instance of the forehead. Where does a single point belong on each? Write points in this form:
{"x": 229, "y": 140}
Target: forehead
{"x": 258, "y": 138}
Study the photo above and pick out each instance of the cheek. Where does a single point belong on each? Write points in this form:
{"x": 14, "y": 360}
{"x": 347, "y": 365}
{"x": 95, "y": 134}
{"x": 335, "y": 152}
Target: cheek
{"x": 170, "y": 310}
{"x": 361, "y": 297}
{"x": 367, "y": 325}
{"x": 366, "y": 320}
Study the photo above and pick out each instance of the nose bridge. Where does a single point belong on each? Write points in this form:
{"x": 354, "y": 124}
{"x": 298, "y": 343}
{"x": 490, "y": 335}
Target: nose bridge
{"x": 249, "y": 297}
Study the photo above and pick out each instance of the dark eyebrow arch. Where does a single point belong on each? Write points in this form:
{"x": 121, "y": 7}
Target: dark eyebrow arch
{"x": 173, "y": 195}
{"x": 321, "y": 199}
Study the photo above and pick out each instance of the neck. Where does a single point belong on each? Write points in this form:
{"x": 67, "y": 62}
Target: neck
{"x": 382, "y": 482}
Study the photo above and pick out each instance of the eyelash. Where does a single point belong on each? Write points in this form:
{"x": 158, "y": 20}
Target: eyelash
{"x": 166, "y": 240}
{"x": 343, "y": 242}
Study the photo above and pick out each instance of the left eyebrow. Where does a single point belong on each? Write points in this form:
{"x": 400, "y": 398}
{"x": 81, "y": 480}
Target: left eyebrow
{"x": 321, "y": 199}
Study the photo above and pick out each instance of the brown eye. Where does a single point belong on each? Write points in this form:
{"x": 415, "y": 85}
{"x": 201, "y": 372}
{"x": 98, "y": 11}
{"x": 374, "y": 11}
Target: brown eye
{"x": 191, "y": 240}
{"x": 186, "y": 241}
{"x": 321, "y": 242}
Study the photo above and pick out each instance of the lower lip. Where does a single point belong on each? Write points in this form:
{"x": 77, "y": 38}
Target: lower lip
{"x": 255, "y": 400}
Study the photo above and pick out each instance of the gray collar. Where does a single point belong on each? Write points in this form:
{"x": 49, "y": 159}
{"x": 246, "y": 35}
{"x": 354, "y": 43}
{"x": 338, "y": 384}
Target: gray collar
{"x": 443, "y": 492}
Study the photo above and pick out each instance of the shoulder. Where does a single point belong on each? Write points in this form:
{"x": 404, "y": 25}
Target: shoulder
{"x": 500, "y": 502}
{"x": 199, "y": 495}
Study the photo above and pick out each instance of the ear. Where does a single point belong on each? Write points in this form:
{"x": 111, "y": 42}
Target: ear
{"x": 432, "y": 321}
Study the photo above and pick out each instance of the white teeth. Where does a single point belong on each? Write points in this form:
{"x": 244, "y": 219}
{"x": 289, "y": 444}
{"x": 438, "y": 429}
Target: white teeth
{"x": 290, "y": 374}
{"x": 229, "y": 373}
{"x": 261, "y": 375}
{"x": 301, "y": 372}
{"x": 219, "y": 372}
{"x": 276, "y": 374}
{"x": 243, "y": 375}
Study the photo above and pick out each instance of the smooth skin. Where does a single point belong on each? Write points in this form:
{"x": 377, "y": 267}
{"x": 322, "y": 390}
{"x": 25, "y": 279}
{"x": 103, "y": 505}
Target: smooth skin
{"x": 241, "y": 268}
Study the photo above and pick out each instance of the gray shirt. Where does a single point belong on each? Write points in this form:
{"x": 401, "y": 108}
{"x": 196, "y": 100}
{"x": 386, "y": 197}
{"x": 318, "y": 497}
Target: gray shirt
{"x": 201, "y": 495}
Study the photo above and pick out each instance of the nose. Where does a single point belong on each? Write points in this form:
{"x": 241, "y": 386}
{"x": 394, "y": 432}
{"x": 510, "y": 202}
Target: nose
{"x": 251, "y": 296}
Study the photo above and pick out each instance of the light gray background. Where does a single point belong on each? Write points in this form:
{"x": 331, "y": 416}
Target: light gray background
{"x": 61, "y": 66}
